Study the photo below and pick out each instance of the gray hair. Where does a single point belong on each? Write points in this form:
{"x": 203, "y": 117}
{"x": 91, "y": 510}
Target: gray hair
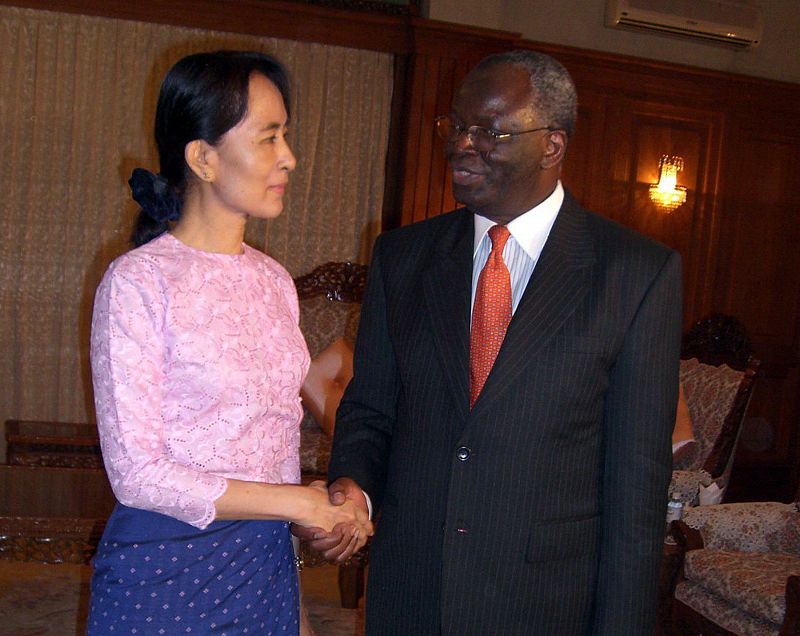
{"x": 554, "y": 93}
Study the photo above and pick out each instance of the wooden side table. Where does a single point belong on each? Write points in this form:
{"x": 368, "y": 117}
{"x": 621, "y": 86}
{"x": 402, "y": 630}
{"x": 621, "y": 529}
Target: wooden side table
{"x": 670, "y": 566}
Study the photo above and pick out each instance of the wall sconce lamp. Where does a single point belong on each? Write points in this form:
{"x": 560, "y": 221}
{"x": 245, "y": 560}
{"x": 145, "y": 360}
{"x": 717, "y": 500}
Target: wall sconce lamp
{"x": 667, "y": 194}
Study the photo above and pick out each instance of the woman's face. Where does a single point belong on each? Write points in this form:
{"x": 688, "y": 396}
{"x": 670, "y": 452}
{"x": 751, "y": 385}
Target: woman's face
{"x": 253, "y": 160}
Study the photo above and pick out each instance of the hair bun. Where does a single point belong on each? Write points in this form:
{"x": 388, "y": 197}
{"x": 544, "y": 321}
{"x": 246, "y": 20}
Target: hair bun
{"x": 155, "y": 195}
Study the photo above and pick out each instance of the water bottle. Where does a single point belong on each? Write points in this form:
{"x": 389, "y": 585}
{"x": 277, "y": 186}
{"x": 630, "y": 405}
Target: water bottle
{"x": 674, "y": 510}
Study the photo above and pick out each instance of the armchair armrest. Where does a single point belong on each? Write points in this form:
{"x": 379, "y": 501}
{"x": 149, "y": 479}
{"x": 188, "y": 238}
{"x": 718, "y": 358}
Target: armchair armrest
{"x": 766, "y": 526}
{"x": 686, "y": 537}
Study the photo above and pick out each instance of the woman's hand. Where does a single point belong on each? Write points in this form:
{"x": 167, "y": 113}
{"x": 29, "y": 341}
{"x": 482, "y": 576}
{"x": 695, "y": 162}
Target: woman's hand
{"x": 322, "y": 514}
{"x": 339, "y": 521}
{"x": 340, "y": 544}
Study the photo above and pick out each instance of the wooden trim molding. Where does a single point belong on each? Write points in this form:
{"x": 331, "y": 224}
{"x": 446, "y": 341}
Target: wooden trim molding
{"x": 397, "y": 7}
{"x": 273, "y": 18}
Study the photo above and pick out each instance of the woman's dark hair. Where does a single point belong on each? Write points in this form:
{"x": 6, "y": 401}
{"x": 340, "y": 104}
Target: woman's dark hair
{"x": 202, "y": 96}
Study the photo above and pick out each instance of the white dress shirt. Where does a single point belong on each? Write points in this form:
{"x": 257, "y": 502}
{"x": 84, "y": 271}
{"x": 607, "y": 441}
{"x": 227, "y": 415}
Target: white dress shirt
{"x": 529, "y": 232}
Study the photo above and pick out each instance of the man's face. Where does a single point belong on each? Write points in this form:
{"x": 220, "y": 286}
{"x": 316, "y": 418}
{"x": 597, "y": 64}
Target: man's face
{"x": 510, "y": 179}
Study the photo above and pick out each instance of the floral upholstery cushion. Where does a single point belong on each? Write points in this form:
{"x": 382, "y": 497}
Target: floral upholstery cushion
{"x": 722, "y": 612}
{"x": 765, "y": 526}
{"x": 686, "y": 485}
{"x": 322, "y": 321}
{"x": 687, "y": 456}
{"x": 755, "y": 582}
{"x": 710, "y": 392}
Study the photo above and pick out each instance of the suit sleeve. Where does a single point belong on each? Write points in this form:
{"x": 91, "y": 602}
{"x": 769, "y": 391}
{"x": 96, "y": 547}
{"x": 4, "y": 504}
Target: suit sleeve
{"x": 639, "y": 417}
{"x": 366, "y": 414}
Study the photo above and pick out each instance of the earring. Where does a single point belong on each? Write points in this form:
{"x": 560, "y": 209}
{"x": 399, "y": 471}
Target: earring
{"x": 205, "y": 175}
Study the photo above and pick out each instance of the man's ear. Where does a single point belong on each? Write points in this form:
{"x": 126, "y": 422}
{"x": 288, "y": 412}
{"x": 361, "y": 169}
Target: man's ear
{"x": 555, "y": 148}
{"x": 201, "y": 157}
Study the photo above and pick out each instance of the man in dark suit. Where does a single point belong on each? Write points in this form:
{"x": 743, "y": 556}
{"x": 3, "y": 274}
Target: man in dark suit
{"x": 535, "y": 504}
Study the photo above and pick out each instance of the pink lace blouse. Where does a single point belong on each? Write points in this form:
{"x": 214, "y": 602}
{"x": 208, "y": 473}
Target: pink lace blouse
{"x": 197, "y": 362}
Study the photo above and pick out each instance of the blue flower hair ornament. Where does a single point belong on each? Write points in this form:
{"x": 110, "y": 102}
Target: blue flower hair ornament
{"x": 155, "y": 195}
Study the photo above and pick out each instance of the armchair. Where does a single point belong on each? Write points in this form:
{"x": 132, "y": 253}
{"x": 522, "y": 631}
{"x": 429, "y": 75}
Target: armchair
{"x": 717, "y": 373}
{"x": 740, "y": 570}
{"x": 330, "y": 305}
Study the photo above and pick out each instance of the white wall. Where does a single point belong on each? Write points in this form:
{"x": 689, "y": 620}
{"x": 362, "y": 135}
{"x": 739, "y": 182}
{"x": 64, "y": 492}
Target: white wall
{"x": 580, "y": 23}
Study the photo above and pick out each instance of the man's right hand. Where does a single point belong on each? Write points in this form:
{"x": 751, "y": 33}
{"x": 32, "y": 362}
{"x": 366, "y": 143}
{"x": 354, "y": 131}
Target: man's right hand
{"x": 342, "y": 542}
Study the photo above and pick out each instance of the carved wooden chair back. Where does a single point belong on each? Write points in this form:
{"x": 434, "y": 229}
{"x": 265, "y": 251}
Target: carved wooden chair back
{"x": 718, "y": 372}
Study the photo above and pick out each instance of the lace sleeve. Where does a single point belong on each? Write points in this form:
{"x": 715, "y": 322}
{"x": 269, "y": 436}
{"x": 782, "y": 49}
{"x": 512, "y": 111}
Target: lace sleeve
{"x": 127, "y": 350}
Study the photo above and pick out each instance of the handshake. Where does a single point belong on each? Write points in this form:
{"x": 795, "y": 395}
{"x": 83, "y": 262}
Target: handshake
{"x": 344, "y": 524}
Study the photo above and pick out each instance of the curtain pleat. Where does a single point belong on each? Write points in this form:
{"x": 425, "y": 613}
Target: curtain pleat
{"x": 76, "y": 116}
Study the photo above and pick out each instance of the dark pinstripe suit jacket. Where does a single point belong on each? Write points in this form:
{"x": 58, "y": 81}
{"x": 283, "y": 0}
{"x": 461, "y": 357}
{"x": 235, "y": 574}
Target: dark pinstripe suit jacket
{"x": 541, "y": 511}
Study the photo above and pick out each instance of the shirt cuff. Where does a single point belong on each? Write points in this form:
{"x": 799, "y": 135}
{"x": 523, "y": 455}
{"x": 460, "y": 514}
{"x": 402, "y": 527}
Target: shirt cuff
{"x": 369, "y": 505}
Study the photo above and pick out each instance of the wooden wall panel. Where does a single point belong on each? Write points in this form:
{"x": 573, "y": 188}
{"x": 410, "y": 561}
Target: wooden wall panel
{"x": 429, "y": 188}
{"x": 442, "y": 56}
{"x": 759, "y": 281}
{"x": 638, "y": 134}
{"x": 762, "y": 235}
{"x": 586, "y": 161}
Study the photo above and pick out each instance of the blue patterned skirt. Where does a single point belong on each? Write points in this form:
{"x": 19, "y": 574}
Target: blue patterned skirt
{"x": 156, "y": 575}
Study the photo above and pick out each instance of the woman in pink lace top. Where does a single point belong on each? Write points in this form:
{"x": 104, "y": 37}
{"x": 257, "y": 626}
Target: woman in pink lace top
{"x": 197, "y": 363}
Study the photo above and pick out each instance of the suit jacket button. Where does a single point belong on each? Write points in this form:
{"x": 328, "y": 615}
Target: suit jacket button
{"x": 463, "y": 453}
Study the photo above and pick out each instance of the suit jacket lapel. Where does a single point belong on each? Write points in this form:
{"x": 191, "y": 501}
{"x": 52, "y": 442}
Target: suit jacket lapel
{"x": 560, "y": 280}
{"x": 447, "y": 290}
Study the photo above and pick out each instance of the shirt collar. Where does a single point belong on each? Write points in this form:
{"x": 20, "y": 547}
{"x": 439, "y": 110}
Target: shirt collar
{"x": 531, "y": 229}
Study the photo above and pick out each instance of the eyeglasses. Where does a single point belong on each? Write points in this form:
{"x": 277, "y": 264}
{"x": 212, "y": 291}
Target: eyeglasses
{"x": 482, "y": 139}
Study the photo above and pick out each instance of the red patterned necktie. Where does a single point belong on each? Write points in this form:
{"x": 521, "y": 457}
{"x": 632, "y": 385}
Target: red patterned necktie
{"x": 490, "y": 314}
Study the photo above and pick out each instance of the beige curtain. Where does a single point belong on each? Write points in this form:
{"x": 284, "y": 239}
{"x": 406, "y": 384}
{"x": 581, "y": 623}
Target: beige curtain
{"x": 76, "y": 111}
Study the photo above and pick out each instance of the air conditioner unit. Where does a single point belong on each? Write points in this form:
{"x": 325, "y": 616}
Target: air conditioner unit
{"x": 723, "y": 21}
